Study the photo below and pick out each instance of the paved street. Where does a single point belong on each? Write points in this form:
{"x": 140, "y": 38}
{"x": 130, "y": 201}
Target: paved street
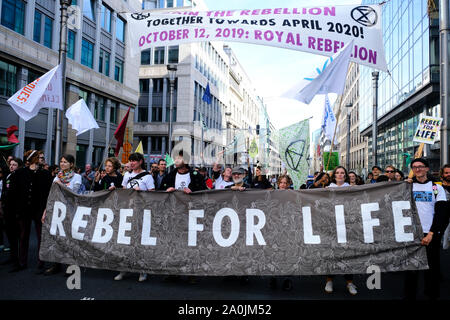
{"x": 99, "y": 285}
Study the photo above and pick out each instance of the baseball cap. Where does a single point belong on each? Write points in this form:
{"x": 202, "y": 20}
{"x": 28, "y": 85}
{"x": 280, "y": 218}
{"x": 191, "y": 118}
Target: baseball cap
{"x": 237, "y": 170}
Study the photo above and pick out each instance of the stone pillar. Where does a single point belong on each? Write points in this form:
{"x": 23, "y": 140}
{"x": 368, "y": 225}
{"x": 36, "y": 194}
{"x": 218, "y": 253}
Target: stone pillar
{"x": 112, "y": 60}
{"x": 98, "y": 7}
{"x": 108, "y": 127}
{"x": 22, "y": 81}
{"x": 73, "y": 95}
{"x": 29, "y": 19}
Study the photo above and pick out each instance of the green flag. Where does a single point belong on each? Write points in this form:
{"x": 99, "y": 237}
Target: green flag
{"x": 334, "y": 161}
{"x": 9, "y": 146}
{"x": 294, "y": 151}
{"x": 169, "y": 160}
{"x": 253, "y": 151}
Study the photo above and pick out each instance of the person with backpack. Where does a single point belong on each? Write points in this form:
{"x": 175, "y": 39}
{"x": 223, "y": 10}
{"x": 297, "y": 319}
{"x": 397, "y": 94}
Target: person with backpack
{"x": 137, "y": 179}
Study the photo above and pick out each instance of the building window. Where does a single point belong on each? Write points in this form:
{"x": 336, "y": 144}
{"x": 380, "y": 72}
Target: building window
{"x": 170, "y": 3}
{"x": 71, "y": 44}
{"x": 173, "y": 54}
{"x": 106, "y": 18}
{"x": 99, "y": 109}
{"x": 13, "y": 15}
{"x": 161, "y": 3}
{"x": 156, "y": 114}
{"x": 156, "y": 144}
{"x": 118, "y": 71}
{"x": 103, "y": 62}
{"x": 145, "y": 57}
{"x": 143, "y": 85}
{"x": 37, "y": 26}
{"x": 142, "y": 114}
{"x": 113, "y": 113}
{"x": 157, "y": 85}
{"x": 89, "y": 9}
{"x": 159, "y": 55}
{"x": 87, "y": 53}
{"x": 120, "y": 29}
{"x": 48, "y": 30}
{"x": 8, "y": 79}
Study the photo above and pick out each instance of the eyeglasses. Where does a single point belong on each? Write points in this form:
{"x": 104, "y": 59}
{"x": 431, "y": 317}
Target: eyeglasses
{"x": 390, "y": 171}
{"x": 41, "y": 157}
{"x": 418, "y": 167}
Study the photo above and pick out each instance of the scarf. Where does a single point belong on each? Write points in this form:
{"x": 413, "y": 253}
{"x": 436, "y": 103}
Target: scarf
{"x": 65, "y": 177}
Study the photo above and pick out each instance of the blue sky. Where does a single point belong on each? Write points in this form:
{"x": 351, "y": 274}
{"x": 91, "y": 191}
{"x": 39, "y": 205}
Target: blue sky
{"x": 274, "y": 70}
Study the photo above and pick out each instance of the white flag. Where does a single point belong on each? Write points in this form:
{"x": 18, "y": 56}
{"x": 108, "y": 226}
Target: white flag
{"x": 329, "y": 120}
{"x": 44, "y": 92}
{"x": 331, "y": 79}
{"x": 80, "y": 117}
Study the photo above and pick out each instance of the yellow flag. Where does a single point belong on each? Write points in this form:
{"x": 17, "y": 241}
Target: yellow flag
{"x": 139, "y": 148}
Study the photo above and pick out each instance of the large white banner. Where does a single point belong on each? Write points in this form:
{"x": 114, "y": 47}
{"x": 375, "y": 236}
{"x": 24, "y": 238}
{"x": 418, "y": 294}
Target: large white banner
{"x": 318, "y": 30}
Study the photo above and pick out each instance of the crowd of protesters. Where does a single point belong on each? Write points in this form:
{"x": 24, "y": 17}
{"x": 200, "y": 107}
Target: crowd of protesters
{"x": 25, "y": 185}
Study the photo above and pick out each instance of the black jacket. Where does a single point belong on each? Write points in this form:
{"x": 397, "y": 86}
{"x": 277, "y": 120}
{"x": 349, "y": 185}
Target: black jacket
{"x": 29, "y": 191}
{"x": 197, "y": 181}
{"x": 155, "y": 179}
{"x": 105, "y": 183}
{"x": 263, "y": 184}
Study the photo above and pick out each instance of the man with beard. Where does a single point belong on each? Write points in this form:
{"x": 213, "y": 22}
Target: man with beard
{"x": 445, "y": 178}
{"x": 238, "y": 180}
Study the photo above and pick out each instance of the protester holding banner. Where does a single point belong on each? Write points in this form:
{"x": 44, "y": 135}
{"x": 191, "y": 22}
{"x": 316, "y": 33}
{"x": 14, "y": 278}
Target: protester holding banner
{"x": 444, "y": 174}
{"x": 339, "y": 178}
{"x": 284, "y": 182}
{"x": 183, "y": 178}
{"x": 431, "y": 205}
{"x": 239, "y": 184}
{"x": 321, "y": 181}
{"x": 222, "y": 180}
{"x": 160, "y": 174}
{"x": 138, "y": 179}
{"x": 29, "y": 189}
{"x": 260, "y": 181}
{"x": 112, "y": 179}
{"x": 71, "y": 180}
{"x": 399, "y": 175}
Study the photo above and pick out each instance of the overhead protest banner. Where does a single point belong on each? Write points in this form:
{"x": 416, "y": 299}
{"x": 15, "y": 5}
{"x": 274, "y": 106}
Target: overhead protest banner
{"x": 428, "y": 129}
{"x": 317, "y": 30}
{"x": 294, "y": 151}
{"x": 225, "y": 232}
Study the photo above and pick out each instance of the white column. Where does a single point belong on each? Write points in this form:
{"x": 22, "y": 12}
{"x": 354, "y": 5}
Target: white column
{"x": 29, "y": 19}
{"x": 56, "y": 26}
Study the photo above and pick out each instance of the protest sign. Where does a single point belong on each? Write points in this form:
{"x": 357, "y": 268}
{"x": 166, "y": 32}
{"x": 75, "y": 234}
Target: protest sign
{"x": 226, "y": 232}
{"x": 427, "y": 130}
{"x": 318, "y": 30}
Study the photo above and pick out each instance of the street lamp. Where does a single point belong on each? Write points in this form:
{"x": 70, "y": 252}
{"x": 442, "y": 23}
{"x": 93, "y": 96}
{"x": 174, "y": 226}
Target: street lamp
{"x": 62, "y": 61}
{"x": 349, "y": 111}
{"x": 172, "y": 70}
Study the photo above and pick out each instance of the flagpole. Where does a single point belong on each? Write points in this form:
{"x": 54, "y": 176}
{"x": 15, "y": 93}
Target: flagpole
{"x": 62, "y": 61}
{"x": 334, "y": 134}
